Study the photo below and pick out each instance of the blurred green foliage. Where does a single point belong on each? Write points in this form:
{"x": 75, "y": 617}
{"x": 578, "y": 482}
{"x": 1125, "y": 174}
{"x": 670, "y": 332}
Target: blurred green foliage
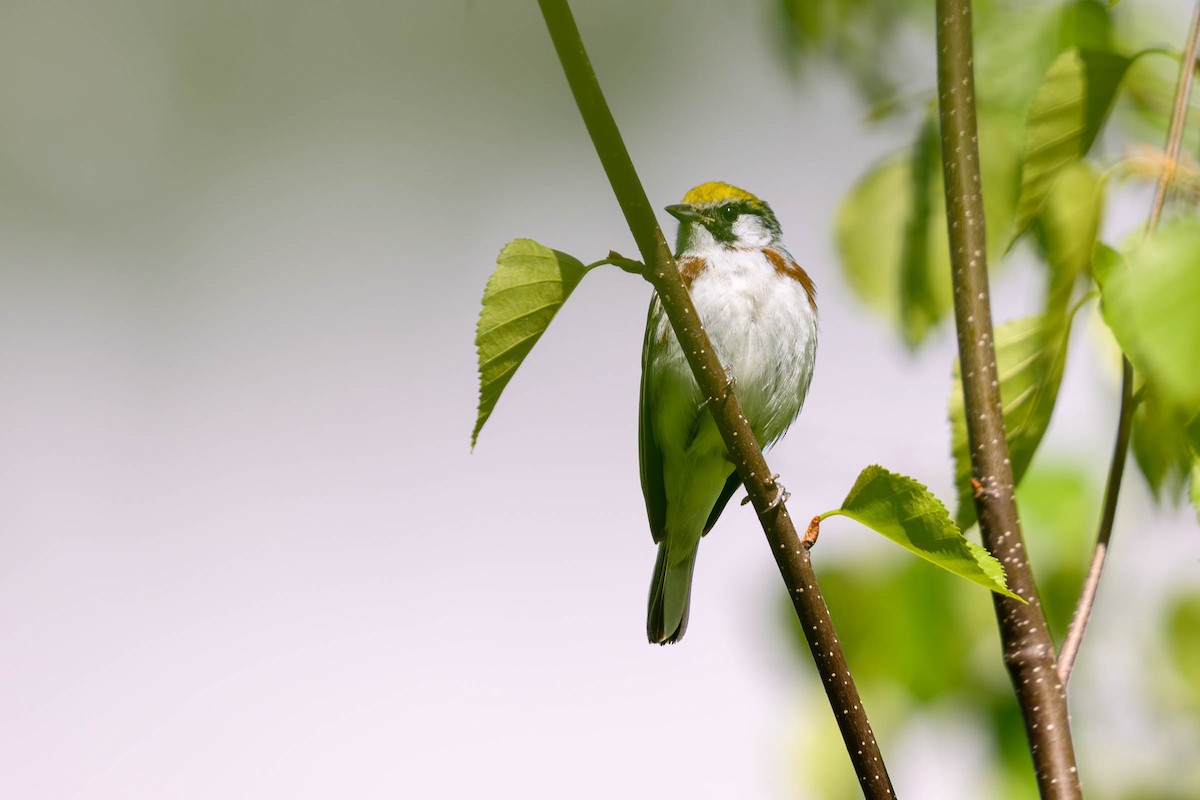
{"x": 852, "y": 34}
{"x": 1056, "y": 85}
{"x": 924, "y": 646}
{"x": 1030, "y": 355}
{"x": 1048, "y": 79}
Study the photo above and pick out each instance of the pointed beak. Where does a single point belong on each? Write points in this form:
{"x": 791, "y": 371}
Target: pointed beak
{"x": 685, "y": 213}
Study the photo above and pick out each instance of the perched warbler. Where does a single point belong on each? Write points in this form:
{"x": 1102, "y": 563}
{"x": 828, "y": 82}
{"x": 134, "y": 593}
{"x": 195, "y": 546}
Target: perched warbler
{"x": 759, "y": 308}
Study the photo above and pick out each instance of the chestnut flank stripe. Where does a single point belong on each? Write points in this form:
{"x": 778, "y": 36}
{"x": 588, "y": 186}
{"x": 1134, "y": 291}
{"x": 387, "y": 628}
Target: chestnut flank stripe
{"x": 790, "y": 269}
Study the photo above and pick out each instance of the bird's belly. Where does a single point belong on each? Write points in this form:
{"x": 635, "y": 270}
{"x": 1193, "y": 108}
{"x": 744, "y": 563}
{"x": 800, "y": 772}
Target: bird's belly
{"x": 764, "y": 329}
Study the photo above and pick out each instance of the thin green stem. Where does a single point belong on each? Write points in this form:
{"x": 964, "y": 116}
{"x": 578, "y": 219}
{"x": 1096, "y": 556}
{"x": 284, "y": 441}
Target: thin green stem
{"x": 1112, "y": 489}
{"x": 791, "y": 556}
{"x": 1025, "y": 637}
{"x": 619, "y": 261}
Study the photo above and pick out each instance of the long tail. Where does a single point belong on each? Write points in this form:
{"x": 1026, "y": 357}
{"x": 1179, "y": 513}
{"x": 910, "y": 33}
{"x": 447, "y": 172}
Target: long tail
{"x": 670, "y": 596}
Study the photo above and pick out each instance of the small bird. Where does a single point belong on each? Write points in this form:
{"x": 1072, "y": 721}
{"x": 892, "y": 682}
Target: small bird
{"x": 759, "y": 308}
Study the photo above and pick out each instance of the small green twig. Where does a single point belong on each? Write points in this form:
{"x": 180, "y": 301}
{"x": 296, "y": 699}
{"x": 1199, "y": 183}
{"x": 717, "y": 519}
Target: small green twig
{"x": 632, "y": 266}
{"x": 1116, "y": 470}
{"x": 661, "y": 271}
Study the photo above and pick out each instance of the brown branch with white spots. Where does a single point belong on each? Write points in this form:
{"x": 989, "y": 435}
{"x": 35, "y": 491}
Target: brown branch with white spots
{"x": 791, "y": 556}
{"x": 1027, "y": 647}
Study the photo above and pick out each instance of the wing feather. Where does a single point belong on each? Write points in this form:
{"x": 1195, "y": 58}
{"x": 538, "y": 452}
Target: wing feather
{"x": 732, "y": 484}
{"x": 649, "y": 455}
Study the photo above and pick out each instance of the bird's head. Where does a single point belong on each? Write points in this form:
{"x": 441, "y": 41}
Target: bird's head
{"x": 719, "y": 215}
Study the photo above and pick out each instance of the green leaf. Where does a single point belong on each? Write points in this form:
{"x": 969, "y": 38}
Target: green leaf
{"x": 1160, "y": 444}
{"x": 1183, "y": 643}
{"x": 1149, "y": 87}
{"x": 906, "y": 512}
{"x": 925, "y": 293}
{"x": 1151, "y": 305}
{"x": 868, "y": 230}
{"x": 1086, "y": 24}
{"x": 1104, "y": 260}
{"x": 848, "y": 33}
{"x": 1030, "y": 356}
{"x": 1060, "y": 500}
{"x": 529, "y": 285}
{"x": 891, "y": 228}
{"x": 1070, "y": 107}
{"x": 1067, "y": 227}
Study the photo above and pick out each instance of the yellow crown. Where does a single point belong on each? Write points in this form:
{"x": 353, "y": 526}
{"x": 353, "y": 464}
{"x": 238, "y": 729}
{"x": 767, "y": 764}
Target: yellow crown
{"x": 717, "y": 192}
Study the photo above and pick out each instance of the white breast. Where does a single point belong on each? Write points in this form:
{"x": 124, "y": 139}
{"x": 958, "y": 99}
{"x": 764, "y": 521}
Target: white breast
{"x": 764, "y": 329}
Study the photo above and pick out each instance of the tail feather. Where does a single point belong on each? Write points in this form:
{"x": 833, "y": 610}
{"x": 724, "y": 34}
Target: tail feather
{"x": 670, "y": 596}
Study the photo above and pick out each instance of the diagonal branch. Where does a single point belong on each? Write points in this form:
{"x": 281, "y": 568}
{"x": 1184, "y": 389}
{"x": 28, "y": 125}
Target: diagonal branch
{"x": 790, "y": 556}
{"x": 1025, "y": 637}
{"x": 1083, "y": 609}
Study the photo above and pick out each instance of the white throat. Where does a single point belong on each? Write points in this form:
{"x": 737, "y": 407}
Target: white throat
{"x": 749, "y": 231}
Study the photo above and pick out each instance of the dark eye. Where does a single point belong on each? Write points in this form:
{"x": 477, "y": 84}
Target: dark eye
{"x": 729, "y": 213}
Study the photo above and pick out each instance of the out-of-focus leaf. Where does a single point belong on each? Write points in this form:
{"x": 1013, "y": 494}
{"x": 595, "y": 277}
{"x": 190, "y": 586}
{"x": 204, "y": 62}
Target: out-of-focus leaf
{"x": 529, "y": 285}
{"x": 1085, "y": 24}
{"x": 1067, "y": 228}
{"x": 868, "y": 231}
{"x": 1152, "y": 305}
{"x": 1067, "y": 113}
{"x": 878, "y": 601}
{"x": 1149, "y": 86}
{"x": 906, "y": 512}
{"x": 1060, "y": 507}
{"x": 1016, "y": 45}
{"x": 925, "y": 293}
{"x": 1104, "y": 260}
{"x": 1183, "y": 641}
{"x": 1030, "y": 356}
{"x": 1160, "y": 445}
{"x": 891, "y": 229}
{"x": 848, "y": 33}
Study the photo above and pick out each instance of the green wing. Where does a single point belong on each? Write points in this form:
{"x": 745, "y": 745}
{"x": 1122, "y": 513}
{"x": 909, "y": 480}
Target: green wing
{"x": 732, "y": 484}
{"x": 649, "y": 456}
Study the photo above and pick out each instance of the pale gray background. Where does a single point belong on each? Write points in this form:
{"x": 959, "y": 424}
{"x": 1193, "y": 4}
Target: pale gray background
{"x": 244, "y": 550}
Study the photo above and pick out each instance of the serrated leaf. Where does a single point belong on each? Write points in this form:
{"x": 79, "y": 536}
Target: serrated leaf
{"x": 1067, "y": 228}
{"x": 528, "y": 287}
{"x": 1031, "y": 353}
{"x": 1070, "y": 107}
{"x": 1151, "y": 304}
{"x": 906, "y": 512}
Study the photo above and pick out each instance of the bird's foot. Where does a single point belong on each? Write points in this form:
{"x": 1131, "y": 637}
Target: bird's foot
{"x": 979, "y": 490}
{"x": 781, "y": 494}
